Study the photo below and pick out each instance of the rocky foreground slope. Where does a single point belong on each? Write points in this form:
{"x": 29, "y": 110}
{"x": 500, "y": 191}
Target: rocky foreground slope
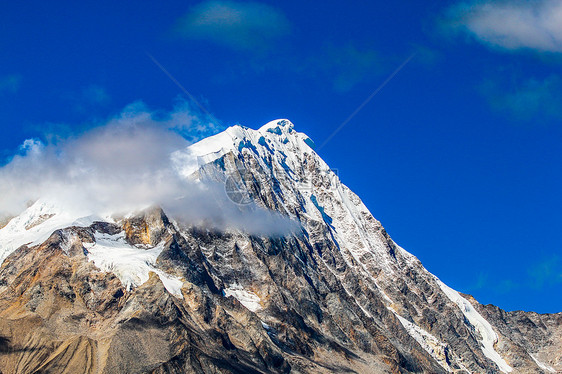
{"x": 325, "y": 290}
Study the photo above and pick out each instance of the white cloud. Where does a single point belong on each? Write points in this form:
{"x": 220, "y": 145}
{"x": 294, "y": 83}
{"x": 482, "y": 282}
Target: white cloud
{"x": 107, "y": 167}
{"x": 126, "y": 165}
{"x": 238, "y": 25}
{"x": 530, "y": 99}
{"x": 512, "y": 25}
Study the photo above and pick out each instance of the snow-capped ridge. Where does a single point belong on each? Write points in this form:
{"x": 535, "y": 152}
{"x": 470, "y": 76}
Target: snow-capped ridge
{"x": 277, "y": 126}
{"x": 34, "y": 225}
{"x": 275, "y": 137}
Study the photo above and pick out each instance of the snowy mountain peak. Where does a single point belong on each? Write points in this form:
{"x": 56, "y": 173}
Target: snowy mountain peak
{"x": 275, "y": 137}
{"x": 338, "y": 289}
{"x": 278, "y": 125}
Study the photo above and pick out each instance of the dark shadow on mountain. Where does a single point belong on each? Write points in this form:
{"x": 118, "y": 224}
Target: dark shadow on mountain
{"x": 7, "y": 347}
{"x": 4, "y": 344}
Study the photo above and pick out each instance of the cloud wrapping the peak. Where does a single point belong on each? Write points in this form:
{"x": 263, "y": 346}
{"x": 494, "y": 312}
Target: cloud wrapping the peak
{"x": 120, "y": 165}
{"x": 238, "y": 25}
{"x": 127, "y": 164}
{"x": 512, "y": 25}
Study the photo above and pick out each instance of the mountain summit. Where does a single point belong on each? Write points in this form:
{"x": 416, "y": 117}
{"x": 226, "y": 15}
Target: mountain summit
{"x": 285, "y": 271}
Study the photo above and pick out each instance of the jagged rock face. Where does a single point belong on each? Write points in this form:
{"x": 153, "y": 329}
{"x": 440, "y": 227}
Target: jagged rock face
{"x": 61, "y": 314}
{"x": 528, "y": 338}
{"x": 147, "y": 294}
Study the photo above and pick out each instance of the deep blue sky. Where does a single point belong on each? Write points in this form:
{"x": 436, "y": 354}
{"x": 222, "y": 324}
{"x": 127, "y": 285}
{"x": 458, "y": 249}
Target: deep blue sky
{"x": 458, "y": 156}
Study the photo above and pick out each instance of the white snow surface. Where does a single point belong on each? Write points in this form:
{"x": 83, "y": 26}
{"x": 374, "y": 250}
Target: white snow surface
{"x": 109, "y": 253}
{"x": 37, "y": 223}
{"x": 130, "y": 264}
{"x": 543, "y": 366}
{"x": 489, "y": 336}
{"x": 279, "y": 134}
{"x": 247, "y": 298}
{"x": 428, "y": 342}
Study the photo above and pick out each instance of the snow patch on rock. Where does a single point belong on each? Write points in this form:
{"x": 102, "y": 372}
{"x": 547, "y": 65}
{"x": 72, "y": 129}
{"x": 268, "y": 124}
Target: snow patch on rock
{"x": 543, "y": 365}
{"x": 130, "y": 264}
{"x": 36, "y": 224}
{"x": 428, "y": 342}
{"x": 483, "y": 327}
{"x": 247, "y": 298}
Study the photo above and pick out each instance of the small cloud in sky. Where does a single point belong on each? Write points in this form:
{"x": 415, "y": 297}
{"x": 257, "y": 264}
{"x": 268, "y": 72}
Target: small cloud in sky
{"x": 506, "y": 286}
{"x": 238, "y": 25}
{"x": 500, "y": 286}
{"x": 481, "y": 282}
{"x": 340, "y": 67}
{"x": 344, "y": 65}
{"x": 352, "y": 66}
{"x": 88, "y": 98}
{"x": 546, "y": 272}
{"x": 10, "y": 83}
{"x": 541, "y": 273}
{"x": 511, "y": 25}
{"x": 427, "y": 56}
{"x": 531, "y": 99}
{"x": 95, "y": 94}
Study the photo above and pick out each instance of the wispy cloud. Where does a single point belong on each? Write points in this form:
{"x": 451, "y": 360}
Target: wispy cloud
{"x": 130, "y": 162}
{"x": 530, "y": 99}
{"x": 346, "y": 66}
{"x": 500, "y": 286}
{"x": 115, "y": 155}
{"x": 238, "y": 25}
{"x": 511, "y": 25}
{"x": 546, "y": 272}
{"x": 338, "y": 67}
{"x": 89, "y": 98}
{"x": 10, "y": 83}
{"x": 95, "y": 94}
{"x": 543, "y": 272}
